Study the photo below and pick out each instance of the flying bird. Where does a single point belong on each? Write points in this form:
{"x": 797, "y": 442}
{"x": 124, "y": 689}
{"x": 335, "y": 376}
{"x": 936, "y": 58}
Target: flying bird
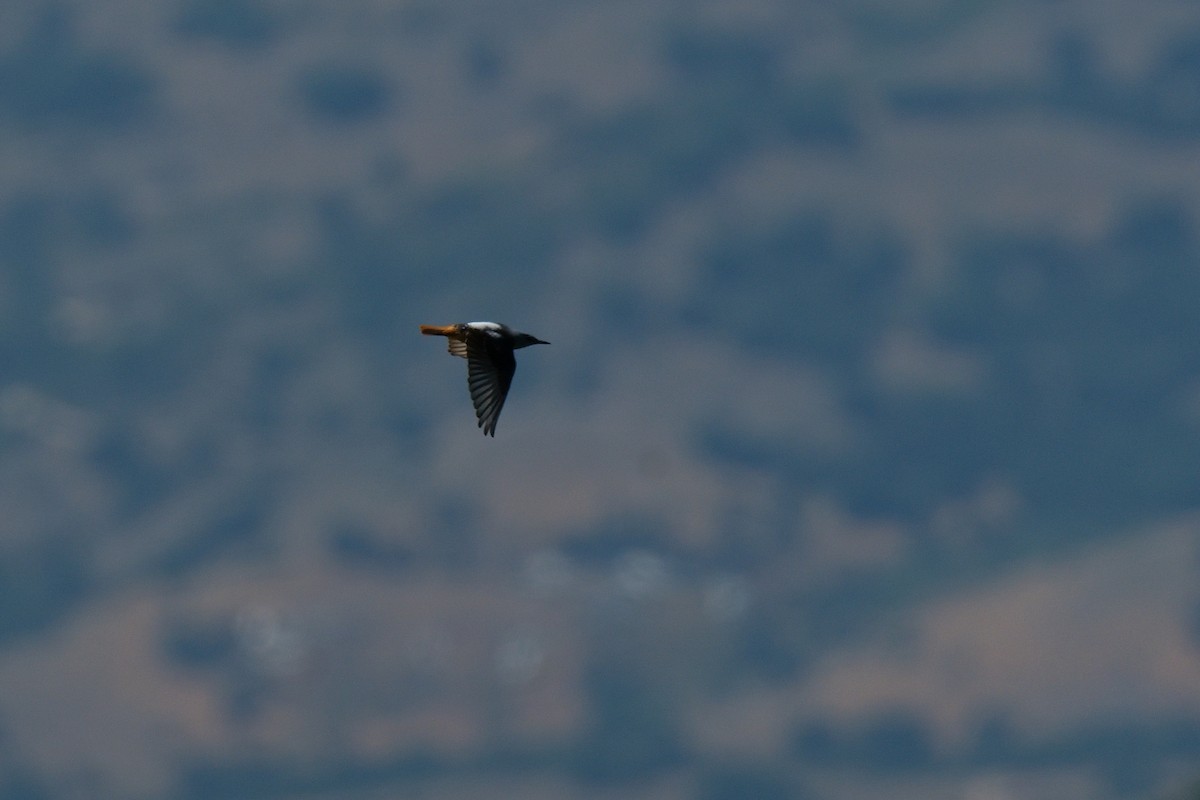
{"x": 488, "y": 348}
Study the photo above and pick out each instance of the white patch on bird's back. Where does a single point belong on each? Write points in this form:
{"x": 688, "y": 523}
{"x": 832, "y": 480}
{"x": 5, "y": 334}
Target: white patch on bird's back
{"x": 492, "y": 329}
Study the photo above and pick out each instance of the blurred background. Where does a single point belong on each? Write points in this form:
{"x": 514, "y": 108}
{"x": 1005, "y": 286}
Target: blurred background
{"x": 865, "y": 461}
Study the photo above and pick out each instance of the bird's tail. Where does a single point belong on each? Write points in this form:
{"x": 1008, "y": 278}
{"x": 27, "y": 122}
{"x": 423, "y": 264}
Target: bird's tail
{"x": 437, "y": 330}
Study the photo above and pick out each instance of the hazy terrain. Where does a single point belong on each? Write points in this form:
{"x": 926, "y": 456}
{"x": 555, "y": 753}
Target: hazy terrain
{"x": 865, "y": 461}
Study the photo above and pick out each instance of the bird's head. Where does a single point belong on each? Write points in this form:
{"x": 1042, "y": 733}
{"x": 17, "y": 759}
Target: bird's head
{"x": 524, "y": 340}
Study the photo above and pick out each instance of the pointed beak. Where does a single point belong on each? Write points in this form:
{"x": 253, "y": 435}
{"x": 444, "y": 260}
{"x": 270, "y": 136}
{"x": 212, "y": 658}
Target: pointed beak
{"x": 539, "y": 341}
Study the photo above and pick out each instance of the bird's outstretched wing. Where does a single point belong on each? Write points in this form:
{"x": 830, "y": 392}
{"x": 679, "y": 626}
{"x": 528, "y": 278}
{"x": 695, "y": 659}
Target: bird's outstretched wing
{"x": 490, "y": 368}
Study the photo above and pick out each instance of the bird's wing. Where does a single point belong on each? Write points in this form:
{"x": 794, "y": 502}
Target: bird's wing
{"x": 490, "y": 368}
{"x": 458, "y": 348}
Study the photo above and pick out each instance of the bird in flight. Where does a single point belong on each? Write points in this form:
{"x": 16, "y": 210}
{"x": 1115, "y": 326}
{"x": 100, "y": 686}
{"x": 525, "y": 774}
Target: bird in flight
{"x": 488, "y": 348}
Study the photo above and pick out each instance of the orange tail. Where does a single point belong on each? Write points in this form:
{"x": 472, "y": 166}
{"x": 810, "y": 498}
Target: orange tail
{"x": 437, "y": 330}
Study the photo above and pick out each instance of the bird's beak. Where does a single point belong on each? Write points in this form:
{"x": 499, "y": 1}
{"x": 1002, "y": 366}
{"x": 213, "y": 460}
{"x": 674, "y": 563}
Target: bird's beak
{"x": 539, "y": 341}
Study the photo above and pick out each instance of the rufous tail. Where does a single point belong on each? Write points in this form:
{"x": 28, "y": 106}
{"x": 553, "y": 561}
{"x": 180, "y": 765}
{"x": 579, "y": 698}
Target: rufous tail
{"x": 437, "y": 330}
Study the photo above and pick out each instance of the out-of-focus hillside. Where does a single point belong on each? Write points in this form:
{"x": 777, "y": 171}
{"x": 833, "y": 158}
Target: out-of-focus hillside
{"x": 864, "y": 461}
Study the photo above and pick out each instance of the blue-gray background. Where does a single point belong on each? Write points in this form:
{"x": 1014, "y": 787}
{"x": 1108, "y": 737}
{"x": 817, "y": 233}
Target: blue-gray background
{"x": 865, "y": 461}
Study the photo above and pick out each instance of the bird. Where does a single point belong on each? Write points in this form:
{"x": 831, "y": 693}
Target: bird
{"x": 488, "y": 348}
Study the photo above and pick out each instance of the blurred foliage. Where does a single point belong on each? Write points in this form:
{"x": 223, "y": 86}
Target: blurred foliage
{"x": 486, "y": 64}
{"x": 27, "y": 251}
{"x": 730, "y": 99}
{"x": 632, "y": 731}
{"x": 19, "y": 785}
{"x": 1124, "y": 752}
{"x": 236, "y": 525}
{"x": 741, "y": 781}
{"x": 636, "y": 160}
{"x": 41, "y": 582}
{"x": 233, "y": 23}
{"x": 891, "y": 741}
{"x": 623, "y": 532}
{"x": 264, "y": 778}
{"x": 345, "y": 93}
{"x": 1162, "y": 102}
{"x": 39, "y": 234}
{"x": 48, "y": 82}
{"x": 489, "y": 229}
{"x": 1167, "y": 101}
{"x": 895, "y": 25}
{"x": 198, "y": 643}
{"x": 1091, "y": 350}
{"x": 354, "y": 546}
{"x": 808, "y": 289}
